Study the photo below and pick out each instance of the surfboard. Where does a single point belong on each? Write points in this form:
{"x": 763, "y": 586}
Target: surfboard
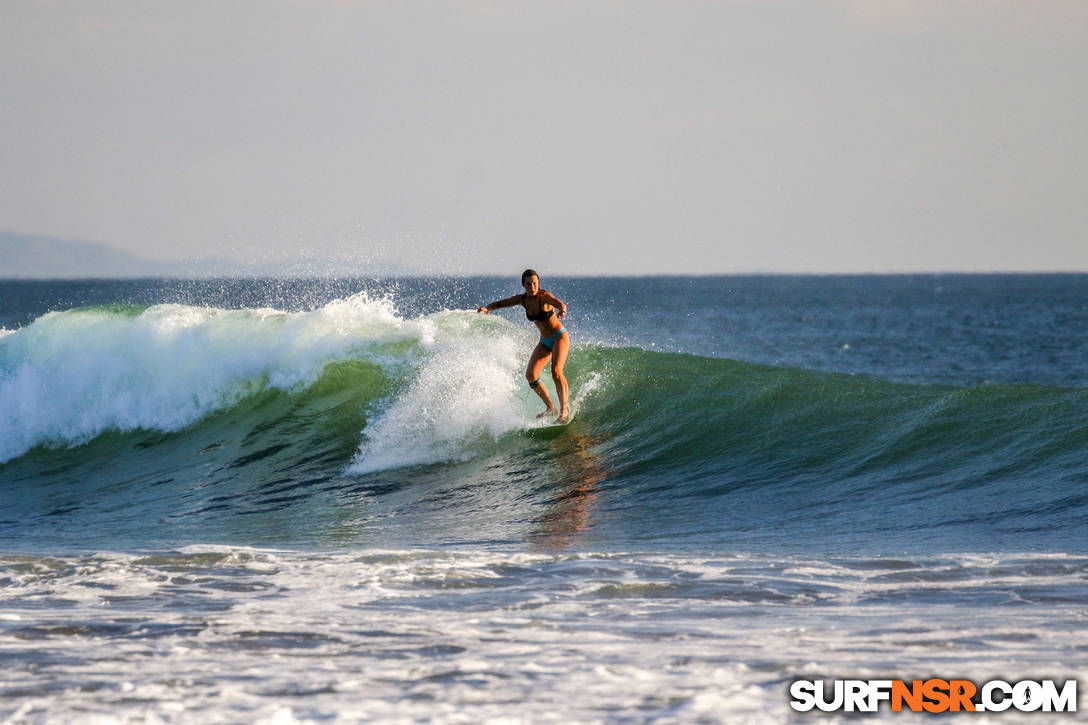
{"x": 548, "y": 429}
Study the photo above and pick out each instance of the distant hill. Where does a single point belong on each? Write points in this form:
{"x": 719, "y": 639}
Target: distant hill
{"x": 27, "y": 256}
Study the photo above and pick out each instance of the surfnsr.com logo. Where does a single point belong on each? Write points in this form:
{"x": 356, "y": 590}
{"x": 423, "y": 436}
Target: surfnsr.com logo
{"x": 933, "y": 695}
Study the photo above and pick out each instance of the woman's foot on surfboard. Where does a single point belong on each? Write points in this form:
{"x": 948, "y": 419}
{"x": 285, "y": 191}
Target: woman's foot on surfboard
{"x": 549, "y": 411}
{"x": 562, "y": 419}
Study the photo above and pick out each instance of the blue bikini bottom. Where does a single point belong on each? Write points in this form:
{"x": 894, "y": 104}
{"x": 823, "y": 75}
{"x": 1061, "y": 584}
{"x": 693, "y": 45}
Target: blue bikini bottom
{"x": 549, "y": 341}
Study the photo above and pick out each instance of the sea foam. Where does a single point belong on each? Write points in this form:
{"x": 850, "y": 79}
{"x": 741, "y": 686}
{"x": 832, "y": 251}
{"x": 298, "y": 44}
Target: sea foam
{"x": 462, "y": 394}
{"x": 70, "y": 376}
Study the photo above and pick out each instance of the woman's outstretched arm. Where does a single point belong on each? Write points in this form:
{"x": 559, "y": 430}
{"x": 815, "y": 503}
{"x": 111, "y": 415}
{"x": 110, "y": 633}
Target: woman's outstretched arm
{"x": 499, "y": 304}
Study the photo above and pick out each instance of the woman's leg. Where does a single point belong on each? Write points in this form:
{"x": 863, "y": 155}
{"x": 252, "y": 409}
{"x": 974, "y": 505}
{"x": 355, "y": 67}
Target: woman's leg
{"x": 532, "y": 374}
{"x": 559, "y": 360}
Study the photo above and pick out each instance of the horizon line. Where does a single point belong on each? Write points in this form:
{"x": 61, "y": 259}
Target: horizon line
{"x": 662, "y": 275}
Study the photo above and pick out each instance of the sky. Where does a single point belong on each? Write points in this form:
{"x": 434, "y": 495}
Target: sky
{"x": 577, "y": 137}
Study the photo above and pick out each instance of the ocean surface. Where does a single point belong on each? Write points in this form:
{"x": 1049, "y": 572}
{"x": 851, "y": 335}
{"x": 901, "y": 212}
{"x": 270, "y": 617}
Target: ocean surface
{"x": 288, "y": 501}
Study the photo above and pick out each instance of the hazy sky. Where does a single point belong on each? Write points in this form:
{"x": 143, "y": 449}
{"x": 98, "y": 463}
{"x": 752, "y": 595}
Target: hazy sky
{"x": 590, "y": 137}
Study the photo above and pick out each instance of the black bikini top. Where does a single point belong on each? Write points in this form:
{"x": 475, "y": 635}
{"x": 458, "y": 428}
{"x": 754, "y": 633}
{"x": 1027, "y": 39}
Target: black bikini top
{"x": 540, "y": 316}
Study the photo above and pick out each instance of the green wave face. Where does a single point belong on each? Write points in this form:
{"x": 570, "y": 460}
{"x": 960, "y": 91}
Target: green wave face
{"x": 176, "y": 423}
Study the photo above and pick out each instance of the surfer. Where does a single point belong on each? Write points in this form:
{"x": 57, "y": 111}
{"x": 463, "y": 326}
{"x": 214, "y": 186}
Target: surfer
{"x": 545, "y": 310}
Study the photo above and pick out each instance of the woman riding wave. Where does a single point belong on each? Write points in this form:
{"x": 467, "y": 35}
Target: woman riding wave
{"x": 545, "y": 310}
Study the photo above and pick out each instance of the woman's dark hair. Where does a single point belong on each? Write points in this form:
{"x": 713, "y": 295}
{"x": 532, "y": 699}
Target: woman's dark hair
{"x": 529, "y": 273}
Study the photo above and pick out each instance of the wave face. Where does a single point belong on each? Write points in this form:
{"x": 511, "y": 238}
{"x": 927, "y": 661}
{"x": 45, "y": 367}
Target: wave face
{"x": 355, "y": 424}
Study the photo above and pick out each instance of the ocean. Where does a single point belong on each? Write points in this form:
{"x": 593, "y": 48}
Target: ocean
{"x": 281, "y": 501}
